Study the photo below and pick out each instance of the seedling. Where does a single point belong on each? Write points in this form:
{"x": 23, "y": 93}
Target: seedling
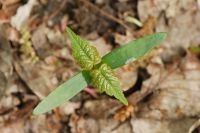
{"x": 97, "y": 71}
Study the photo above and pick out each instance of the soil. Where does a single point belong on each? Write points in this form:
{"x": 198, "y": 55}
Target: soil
{"x": 163, "y": 88}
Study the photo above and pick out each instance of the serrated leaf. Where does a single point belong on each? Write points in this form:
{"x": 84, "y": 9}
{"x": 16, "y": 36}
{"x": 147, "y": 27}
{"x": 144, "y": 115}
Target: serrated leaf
{"x": 114, "y": 59}
{"x": 105, "y": 80}
{"x": 86, "y": 55}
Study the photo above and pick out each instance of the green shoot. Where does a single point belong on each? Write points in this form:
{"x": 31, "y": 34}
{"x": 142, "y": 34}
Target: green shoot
{"x": 97, "y": 70}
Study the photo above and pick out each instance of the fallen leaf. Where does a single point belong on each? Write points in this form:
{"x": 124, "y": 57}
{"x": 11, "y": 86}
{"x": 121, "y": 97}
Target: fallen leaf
{"x": 19, "y": 20}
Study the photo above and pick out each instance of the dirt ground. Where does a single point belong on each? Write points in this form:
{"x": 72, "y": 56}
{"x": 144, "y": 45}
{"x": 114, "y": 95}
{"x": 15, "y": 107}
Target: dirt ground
{"x": 163, "y": 88}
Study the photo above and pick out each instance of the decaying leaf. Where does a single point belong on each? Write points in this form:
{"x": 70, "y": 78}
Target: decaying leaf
{"x": 125, "y": 113}
{"x": 143, "y": 125}
{"x": 147, "y": 28}
{"x": 176, "y": 91}
{"x": 19, "y": 20}
{"x": 195, "y": 126}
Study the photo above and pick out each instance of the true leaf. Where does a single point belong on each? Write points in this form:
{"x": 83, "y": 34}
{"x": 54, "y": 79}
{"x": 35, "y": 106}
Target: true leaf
{"x": 114, "y": 59}
{"x": 85, "y": 54}
{"x": 104, "y": 80}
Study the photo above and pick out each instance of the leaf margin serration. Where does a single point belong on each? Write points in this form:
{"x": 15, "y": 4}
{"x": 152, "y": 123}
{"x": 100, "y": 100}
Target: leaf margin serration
{"x": 104, "y": 80}
{"x": 85, "y": 54}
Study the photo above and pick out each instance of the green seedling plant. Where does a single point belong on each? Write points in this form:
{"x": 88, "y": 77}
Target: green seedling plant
{"x": 98, "y": 71}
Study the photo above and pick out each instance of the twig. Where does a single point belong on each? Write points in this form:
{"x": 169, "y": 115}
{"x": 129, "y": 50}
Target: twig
{"x": 62, "y": 6}
{"x": 106, "y": 14}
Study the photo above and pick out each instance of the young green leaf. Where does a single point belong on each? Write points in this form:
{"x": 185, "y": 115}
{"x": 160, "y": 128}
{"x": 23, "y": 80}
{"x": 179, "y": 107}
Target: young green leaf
{"x": 114, "y": 59}
{"x": 64, "y": 92}
{"x": 85, "y": 54}
{"x": 105, "y": 80}
{"x": 133, "y": 50}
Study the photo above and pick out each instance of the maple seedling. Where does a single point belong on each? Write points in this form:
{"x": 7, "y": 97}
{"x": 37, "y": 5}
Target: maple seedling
{"x": 96, "y": 70}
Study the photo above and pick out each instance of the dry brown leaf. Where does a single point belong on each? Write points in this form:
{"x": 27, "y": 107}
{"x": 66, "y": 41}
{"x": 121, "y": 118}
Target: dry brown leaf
{"x": 9, "y": 2}
{"x": 3, "y": 17}
{"x": 77, "y": 124}
{"x": 179, "y": 18}
{"x": 148, "y": 27}
{"x": 177, "y": 92}
{"x": 125, "y": 113}
{"x": 143, "y": 125}
{"x": 194, "y": 126}
{"x": 19, "y": 20}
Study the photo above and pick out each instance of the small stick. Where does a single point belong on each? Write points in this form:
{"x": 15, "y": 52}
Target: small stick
{"x": 106, "y": 14}
{"x": 62, "y": 6}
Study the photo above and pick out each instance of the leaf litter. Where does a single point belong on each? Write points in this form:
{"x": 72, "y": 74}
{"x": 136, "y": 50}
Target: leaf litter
{"x": 167, "y": 100}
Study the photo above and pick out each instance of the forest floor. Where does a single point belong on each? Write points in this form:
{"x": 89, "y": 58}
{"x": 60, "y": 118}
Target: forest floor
{"x": 163, "y": 88}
